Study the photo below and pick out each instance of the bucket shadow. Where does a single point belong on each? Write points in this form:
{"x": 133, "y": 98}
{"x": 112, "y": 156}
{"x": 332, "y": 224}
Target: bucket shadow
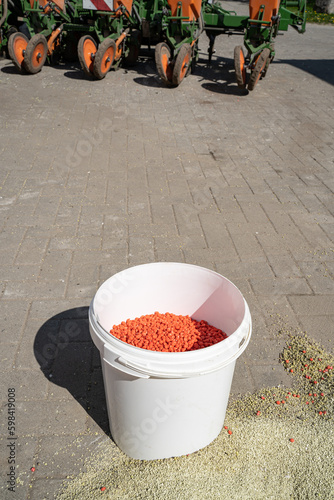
{"x": 69, "y": 359}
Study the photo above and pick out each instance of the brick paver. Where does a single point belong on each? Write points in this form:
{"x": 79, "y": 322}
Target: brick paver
{"x": 99, "y": 176}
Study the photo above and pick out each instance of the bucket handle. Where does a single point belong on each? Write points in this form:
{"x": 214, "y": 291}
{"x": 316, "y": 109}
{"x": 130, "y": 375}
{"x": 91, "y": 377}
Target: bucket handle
{"x": 125, "y": 366}
{"x": 121, "y": 364}
{"x": 139, "y": 370}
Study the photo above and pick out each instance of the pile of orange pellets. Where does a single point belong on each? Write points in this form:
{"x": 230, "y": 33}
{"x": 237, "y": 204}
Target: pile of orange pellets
{"x": 167, "y": 333}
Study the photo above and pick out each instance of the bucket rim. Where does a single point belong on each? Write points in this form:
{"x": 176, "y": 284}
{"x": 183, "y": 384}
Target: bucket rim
{"x": 145, "y": 362}
{"x": 165, "y": 264}
{"x": 214, "y": 357}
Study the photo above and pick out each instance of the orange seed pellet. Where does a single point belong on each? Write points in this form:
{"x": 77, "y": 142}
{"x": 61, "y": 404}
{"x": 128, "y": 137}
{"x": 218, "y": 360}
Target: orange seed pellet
{"x": 167, "y": 333}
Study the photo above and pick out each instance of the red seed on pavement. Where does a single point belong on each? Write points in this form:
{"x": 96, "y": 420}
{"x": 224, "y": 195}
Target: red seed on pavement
{"x": 292, "y": 440}
{"x": 32, "y": 469}
{"x": 103, "y": 488}
{"x": 291, "y": 370}
{"x": 258, "y": 413}
{"x": 225, "y": 427}
{"x": 262, "y": 397}
{"x": 304, "y": 351}
{"x": 311, "y": 359}
{"x": 230, "y": 432}
{"x": 322, "y": 394}
{"x": 278, "y": 402}
{"x": 320, "y": 412}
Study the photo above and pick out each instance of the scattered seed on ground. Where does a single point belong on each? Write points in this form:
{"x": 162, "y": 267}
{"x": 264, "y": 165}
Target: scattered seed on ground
{"x": 259, "y": 459}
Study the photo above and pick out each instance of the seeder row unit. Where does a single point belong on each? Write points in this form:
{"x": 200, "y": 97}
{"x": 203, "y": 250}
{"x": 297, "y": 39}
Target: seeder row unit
{"x": 104, "y": 34}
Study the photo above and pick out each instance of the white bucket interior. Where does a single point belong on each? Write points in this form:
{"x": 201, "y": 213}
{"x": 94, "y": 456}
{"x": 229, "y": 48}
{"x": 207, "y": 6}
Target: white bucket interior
{"x": 170, "y": 287}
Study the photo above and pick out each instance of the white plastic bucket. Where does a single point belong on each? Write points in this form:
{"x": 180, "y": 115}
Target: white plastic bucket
{"x": 165, "y": 404}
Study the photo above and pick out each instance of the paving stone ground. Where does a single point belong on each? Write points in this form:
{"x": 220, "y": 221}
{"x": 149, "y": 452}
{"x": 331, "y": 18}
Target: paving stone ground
{"x": 100, "y": 176}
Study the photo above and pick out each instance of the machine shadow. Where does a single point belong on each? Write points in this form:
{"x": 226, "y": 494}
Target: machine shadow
{"x": 320, "y": 68}
{"x": 69, "y": 359}
{"x": 218, "y": 75}
{"x": 10, "y": 69}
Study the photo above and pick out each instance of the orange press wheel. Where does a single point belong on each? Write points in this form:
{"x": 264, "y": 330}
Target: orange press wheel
{"x": 163, "y": 62}
{"x": 239, "y": 66}
{"x": 258, "y": 69}
{"x": 104, "y": 58}
{"x": 35, "y": 54}
{"x": 182, "y": 64}
{"x": 86, "y": 52}
{"x": 17, "y": 44}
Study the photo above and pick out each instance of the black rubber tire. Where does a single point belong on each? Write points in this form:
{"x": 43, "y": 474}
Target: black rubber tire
{"x": 182, "y": 64}
{"x": 104, "y": 58}
{"x": 13, "y": 40}
{"x": 259, "y": 67}
{"x": 35, "y": 54}
{"x": 194, "y": 57}
{"x": 87, "y": 66}
{"x": 269, "y": 61}
{"x": 239, "y": 66}
{"x": 134, "y": 48}
{"x": 162, "y": 55}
